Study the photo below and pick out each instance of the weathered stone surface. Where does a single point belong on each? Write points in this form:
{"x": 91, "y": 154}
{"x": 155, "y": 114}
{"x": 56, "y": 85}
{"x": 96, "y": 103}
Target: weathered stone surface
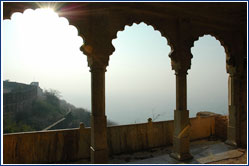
{"x": 221, "y": 127}
{"x": 206, "y": 113}
{"x": 99, "y": 149}
{"x": 57, "y": 146}
{"x": 220, "y": 156}
{"x": 46, "y": 147}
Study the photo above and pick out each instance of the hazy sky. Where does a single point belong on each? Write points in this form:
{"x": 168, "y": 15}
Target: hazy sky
{"x": 40, "y": 46}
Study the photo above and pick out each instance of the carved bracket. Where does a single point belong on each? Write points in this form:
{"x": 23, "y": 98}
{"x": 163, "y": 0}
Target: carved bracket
{"x": 181, "y": 59}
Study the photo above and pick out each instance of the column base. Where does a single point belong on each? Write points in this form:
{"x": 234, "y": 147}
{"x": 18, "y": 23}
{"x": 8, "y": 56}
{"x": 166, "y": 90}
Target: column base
{"x": 231, "y": 136}
{"x": 99, "y": 156}
{"x": 181, "y": 149}
{"x": 181, "y": 157}
{"x": 181, "y": 136}
{"x": 231, "y": 142}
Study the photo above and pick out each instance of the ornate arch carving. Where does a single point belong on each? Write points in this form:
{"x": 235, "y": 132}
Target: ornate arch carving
{"x": 217, "y": 37}
{"x": 156, "y": 27}
{"x": 33, "y": 7}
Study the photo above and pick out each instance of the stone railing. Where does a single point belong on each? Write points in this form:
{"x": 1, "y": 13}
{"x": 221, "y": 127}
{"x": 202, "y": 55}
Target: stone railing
{"x": 73, "y": 144}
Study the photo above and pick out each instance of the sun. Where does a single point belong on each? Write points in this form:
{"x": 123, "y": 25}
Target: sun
{"x": 38, "y": 40}
{"x": 48, "y": 11}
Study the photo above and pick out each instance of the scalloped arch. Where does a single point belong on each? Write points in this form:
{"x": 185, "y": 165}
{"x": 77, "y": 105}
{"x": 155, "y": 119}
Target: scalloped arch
{"x": 162, "y": 33}
{"x": 35, "y": 8}
{"x": 217, "y": 37}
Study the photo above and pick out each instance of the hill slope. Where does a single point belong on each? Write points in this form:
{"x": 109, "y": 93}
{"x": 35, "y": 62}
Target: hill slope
{"x": 44, "y": 111}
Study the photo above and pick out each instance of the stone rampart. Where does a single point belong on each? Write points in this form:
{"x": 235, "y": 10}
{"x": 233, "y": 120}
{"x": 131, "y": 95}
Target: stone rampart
{"x": 19, "y": 100}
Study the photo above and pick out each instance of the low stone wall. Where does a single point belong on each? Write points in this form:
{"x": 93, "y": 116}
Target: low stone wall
{"x": 131, "y": 138}
{"x": 46, "y": 147}
{"x": 66, "y": 145}
{"x": 221, "y": 123}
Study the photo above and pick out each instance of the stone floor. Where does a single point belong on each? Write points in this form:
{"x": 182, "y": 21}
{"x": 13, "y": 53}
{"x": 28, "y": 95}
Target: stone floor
{"x": 203, "y": 151}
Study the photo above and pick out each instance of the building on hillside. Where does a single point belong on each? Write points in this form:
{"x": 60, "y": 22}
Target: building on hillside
{"x": 17, "y": 97}
{"x": 35, "y": 84}
{"x": 39, "y": 90}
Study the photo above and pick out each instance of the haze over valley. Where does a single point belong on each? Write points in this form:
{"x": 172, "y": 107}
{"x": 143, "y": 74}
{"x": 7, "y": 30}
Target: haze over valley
{"x": 140, "y": 83}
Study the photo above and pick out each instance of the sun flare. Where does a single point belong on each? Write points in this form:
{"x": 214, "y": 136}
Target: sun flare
{"x": 43, "y": 40}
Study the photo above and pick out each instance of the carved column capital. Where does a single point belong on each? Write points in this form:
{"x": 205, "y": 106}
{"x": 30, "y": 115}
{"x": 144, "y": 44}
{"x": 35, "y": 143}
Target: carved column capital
{"x": 180, "y": 67}
{"x": 236, "y": 53}
{"x": 98, "y": 33}
{"x": 235, "y": 63}
{"x": 181, "y": 54}
{"x": 181, "y": 62}
{"x": 97, "y": 54}
{"x": 97, "y": 63}
{"x": 230, "y": 66}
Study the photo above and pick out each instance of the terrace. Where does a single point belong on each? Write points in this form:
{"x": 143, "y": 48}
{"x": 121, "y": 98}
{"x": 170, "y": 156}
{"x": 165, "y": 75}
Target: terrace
{"x": 99, "y": 23}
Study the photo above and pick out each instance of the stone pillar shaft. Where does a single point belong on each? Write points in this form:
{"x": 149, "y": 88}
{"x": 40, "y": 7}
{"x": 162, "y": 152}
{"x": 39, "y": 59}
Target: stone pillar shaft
{"x": 99, "y": 150}
{"x": 181, "y": 91}
{"x": 232, "y": 127}
{"x": 181, "y": 120}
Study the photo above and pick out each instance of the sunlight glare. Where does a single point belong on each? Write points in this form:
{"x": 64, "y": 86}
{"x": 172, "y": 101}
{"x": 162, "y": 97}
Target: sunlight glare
{"x": 46, "y": 46}
{"x": 46, "y": 34}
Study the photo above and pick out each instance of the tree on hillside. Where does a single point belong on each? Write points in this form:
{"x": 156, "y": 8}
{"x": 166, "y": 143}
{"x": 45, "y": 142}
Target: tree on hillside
{"x": 53, "y": 97}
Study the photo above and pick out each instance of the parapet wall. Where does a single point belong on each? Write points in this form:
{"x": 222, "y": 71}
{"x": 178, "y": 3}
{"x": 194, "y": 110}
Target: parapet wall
{"x": 74, "y": 144}
{"x": 221, "y": 127}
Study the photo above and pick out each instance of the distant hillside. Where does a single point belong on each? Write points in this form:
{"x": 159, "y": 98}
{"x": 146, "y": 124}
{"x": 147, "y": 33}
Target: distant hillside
{"x": 75, "y": 117}
{"x": 40, "y": 112}
{"x": 16, "y": 96}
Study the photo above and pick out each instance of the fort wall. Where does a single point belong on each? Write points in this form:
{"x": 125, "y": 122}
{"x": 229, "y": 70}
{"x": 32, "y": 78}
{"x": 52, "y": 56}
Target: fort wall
{"x": 19, "y": 100}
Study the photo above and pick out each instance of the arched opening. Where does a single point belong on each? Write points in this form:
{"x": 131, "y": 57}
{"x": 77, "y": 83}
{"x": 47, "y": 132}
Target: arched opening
{"x": 139, "y": 81}
{"x": 39, "y": 46}
{"x": 207, "y": 79}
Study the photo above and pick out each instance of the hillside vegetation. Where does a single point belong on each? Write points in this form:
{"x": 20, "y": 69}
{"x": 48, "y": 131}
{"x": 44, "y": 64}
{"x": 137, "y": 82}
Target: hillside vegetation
{"x": 44, "y": 111}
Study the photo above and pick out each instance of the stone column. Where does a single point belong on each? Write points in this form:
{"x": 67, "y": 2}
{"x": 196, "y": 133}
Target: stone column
{"x": 181, "y": 62}
{"x": 237, "y": 69}
{"x": 99, "y": 148}
{"x": 98, "y": 31}
{"x": 232, "y": 128}
{"x": 181, "y": 119}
